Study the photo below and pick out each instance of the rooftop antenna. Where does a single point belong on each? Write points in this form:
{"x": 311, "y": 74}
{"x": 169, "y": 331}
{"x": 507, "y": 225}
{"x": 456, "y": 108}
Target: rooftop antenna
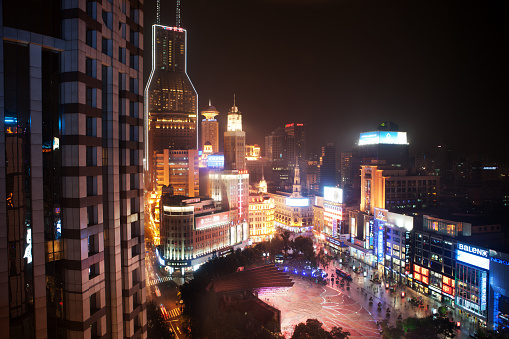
{"x": 178, "y": 14}
{"x": 158, "y": 12}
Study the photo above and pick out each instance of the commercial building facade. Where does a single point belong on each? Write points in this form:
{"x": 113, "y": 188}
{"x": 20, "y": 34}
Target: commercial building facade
{"x": 193, "y": 230}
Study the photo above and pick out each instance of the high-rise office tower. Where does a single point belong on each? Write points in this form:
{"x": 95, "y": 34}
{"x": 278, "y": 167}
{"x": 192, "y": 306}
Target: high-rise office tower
{"x": 170, "y": 98}
{"x": 71, "y": 202}
{"x": 295, "y": 144}
{"x": 210, "y": 128}
{"x": 328, "y": 167}
{"x": 234, "y": 141}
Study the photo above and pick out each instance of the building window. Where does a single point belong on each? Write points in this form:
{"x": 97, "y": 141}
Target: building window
{"x": 107, "y": 47}
{"x": 91, "y": 127}
{"x": 91, "y": 67}
{"x": 91, "y": 186}
{"x": 91, "y": 38}
{"x": 93, "y": 271}
{"x": 91, "y": 94}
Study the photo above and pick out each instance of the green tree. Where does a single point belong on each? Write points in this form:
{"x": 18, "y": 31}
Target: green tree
{"x": 287, "y": 243}
{"x": 311, "y": 329}
{"x": 314, "y": 329}
{"x": 338, "y": 333}
{"x": 305, "y": 246}
{"x": 430, "y": 327}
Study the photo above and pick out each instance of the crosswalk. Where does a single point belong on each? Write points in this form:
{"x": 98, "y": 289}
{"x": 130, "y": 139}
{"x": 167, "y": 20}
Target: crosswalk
{"x": 170, "y": 314}
{"x": 153, "y": 282}
{"x": 175, "y": 312}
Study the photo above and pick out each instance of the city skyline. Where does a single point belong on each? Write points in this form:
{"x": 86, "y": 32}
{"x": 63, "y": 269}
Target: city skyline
{"x": 343, "y": 67}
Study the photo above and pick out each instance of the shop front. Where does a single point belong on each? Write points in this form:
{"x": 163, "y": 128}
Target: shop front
{"x": 472, "y": 274}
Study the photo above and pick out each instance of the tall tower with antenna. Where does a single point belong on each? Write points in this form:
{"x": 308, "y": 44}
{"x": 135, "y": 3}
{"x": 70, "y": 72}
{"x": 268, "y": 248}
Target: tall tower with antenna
{"x": 170, "y": 98}
{"x": 234, "y": 141}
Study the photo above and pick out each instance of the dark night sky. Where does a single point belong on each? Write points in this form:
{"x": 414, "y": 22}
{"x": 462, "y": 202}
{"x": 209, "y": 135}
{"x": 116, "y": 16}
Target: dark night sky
{"x": 439, "y": 69}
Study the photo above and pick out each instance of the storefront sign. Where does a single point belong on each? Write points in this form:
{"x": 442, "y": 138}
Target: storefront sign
{"x": 474, "y": 250}
{"x": 499, "y": 261}
{"x": 381, "y": 214}
{"x": 380, "y": 243}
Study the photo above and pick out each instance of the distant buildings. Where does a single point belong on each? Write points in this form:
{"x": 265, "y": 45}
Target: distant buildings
{"x": 294, "y": 212}
{"x": 210, "y": 130}
{"x": 234, "y": 141}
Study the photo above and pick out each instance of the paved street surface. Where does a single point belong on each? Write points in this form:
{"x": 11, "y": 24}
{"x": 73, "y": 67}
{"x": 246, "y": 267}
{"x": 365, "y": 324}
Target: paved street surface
{"x": 307, "y": 299}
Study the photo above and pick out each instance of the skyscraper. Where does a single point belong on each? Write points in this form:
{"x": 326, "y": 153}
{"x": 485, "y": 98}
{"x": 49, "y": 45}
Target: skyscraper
{"x": 170, "y": 98}
{"x": 234, "y": 141}
{"x": 295, "y": 145}
{"x": 71, "y": 203}
{"x": 210, "y": 128}
{"x": 328, "y": 167}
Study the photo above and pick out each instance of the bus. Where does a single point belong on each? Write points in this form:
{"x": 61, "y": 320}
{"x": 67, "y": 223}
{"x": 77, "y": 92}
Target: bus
{"x": 343, "y": 274}
{"x": 279, "y": 259}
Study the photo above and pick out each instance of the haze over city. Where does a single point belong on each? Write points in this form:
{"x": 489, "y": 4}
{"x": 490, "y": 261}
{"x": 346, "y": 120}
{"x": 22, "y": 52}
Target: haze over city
{"x": 438, "y": 69}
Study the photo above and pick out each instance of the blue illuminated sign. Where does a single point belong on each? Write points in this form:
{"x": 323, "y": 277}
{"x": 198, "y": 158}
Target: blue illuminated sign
{"x": 215, "y": 161}
{"x": 499, "y": 261}
{"x": 380, "y": 244}
{"x": 383, "y": 137}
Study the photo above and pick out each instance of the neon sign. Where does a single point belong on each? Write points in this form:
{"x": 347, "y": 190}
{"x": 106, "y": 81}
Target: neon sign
{"x": 474, "y": 250}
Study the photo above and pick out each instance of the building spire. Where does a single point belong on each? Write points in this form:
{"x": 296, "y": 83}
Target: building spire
{"x": 177, "y": 23}
{"x": 158, "y": 12}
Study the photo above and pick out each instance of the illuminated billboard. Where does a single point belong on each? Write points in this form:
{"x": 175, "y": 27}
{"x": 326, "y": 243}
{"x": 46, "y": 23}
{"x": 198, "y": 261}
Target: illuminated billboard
{"x": 383, "y": 137}
{"x": 212, "y": 220}
{"x": 333, "y": 194}
{"x": 215, "y": 161}
{"x": 473, "y": 255}
{"x": 472, "y": 259}
{"x": 297, "y": 202}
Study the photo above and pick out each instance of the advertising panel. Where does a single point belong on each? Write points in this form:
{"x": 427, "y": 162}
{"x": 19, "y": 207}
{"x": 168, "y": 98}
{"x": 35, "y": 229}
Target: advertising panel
{"x": 212, "y": 220}
{"x": 473, "y": 255}
{"x": 297, "y": 202}
{"x": 380, "y": 214}
{"x": 333, "y": 194}
{"x": 380, "y": 243}
{"x": 383, "y": 137}
{"x": 215, "y": 161}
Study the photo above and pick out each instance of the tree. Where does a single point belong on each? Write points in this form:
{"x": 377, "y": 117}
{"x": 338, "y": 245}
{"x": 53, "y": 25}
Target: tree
{"x": 311, "y": 329}
{"x": 314, "y": 329}
{"x": 305, "y": 246}
{"x": 430, "y": 327}
{"x": 338, "y": 333}
{"x": 285, "y": 235}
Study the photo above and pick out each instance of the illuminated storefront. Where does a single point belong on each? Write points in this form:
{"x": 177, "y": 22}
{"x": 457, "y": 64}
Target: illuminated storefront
{"x": 392, "y": 244}
{"x": 498, "y": 294}
{"x": 472, "y": 267}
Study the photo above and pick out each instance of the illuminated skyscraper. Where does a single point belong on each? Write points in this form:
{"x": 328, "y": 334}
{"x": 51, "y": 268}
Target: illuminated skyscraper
{"x": 170, "y": 97}
{"x": 234, "y": 141}
{"x": 210, "y": 128}
{"x": 71, "y": 185}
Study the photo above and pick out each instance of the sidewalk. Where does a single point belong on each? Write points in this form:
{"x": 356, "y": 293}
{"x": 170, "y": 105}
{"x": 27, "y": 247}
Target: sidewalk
{"x": 361, "y": 289}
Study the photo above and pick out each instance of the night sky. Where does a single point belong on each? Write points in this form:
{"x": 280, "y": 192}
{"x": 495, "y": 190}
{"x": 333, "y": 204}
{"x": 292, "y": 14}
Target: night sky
{"x": 439, "y": 69}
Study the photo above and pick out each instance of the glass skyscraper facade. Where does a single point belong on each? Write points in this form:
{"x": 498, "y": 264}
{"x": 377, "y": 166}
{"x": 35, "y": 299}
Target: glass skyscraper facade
{"x": 71, "y": 188}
